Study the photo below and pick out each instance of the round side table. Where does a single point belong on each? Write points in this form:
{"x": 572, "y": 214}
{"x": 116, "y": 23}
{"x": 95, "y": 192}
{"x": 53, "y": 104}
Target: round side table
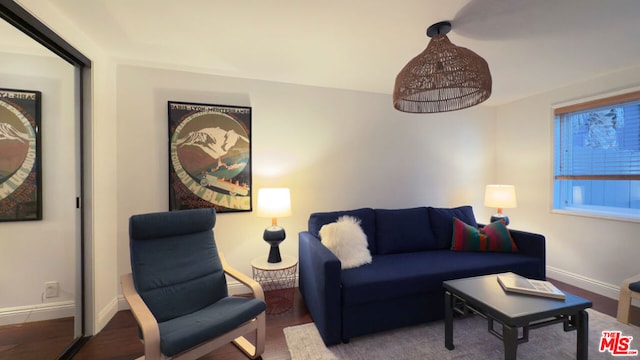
{"x": 278, "y": 280}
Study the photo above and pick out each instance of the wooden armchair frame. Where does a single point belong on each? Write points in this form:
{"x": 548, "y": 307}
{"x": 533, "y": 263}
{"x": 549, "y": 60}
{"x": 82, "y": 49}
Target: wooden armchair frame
{"x": 624, "y": 302}
{"x": 151, "y": 332}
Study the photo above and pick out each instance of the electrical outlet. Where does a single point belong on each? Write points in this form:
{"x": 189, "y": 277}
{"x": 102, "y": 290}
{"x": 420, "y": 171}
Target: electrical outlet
{"x": 51, "y": 289}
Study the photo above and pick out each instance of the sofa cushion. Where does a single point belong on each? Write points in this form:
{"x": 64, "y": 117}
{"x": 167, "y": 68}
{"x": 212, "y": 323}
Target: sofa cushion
{"x": 442, "y": 222}
{"x": 347, "y": 241}
{"x": 367, "y": 222}
{"x": 493, "y": 237}
{"x": 499, "y": 237}
{"x": 467, "y": 238}
{"x": 403, "y": 230}
{"x": 423, "y": 272}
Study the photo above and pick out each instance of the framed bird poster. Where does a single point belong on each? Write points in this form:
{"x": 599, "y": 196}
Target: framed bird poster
{"x": 209, "y": 157}
{"x": 20, "y": 158}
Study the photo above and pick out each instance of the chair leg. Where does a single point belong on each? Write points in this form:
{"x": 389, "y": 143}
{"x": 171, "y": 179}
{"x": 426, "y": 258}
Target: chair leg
{"x": 254, "y": 351}
{"x": 624, "y": 304}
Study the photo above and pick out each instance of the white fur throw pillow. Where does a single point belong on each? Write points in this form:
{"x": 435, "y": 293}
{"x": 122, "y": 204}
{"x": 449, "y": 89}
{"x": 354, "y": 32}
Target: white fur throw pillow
{"x": 347, "y": 241}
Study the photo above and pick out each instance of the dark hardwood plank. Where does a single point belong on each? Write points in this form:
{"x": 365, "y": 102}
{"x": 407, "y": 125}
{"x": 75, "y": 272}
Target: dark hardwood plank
{"x": 36, "y": 340}
{"x": 601, "y": 303}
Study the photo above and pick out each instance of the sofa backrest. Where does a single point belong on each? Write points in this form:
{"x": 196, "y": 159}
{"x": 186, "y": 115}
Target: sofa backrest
{"x": 401, "y": 230}
{"x": 367, "y": 222}
{"x": 404, "y": 230}
{"x": 442, "y": 222}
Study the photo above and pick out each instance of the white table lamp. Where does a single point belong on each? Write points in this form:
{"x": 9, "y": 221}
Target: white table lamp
{"x": 500, "y": 197}
{"x": 274, "y": 203}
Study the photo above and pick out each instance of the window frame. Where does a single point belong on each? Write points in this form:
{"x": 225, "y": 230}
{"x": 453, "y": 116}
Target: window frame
{"x": 594, "y": 211}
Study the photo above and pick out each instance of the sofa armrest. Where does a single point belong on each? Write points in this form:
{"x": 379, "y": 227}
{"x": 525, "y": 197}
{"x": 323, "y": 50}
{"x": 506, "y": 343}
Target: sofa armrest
{"x": 534, "y": 245}
{"x": 320, "y": 284}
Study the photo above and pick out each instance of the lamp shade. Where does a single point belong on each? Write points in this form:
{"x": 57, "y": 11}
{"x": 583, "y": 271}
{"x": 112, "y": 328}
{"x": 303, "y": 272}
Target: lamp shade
{"x": 444, "y": 77}
{"x": 500, "y": 196}
{"x": 274, "y": 202}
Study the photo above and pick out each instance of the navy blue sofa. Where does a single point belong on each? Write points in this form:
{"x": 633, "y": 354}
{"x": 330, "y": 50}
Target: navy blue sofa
{"x": 403, "y": 284}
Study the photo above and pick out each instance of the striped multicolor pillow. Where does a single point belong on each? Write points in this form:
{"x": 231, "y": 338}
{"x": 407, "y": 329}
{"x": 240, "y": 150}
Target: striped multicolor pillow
{"x": 493, "y": 237}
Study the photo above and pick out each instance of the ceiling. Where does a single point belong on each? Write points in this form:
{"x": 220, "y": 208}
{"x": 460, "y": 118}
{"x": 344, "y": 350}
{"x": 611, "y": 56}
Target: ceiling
{"x": 531, "y": 45}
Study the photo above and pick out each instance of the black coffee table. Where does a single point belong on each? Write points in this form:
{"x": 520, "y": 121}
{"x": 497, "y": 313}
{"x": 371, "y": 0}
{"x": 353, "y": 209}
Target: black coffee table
{"x": 484, "y": 295}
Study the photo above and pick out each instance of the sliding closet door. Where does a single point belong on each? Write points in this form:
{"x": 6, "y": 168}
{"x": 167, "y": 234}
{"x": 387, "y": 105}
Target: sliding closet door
{"x": 41, "y": 214}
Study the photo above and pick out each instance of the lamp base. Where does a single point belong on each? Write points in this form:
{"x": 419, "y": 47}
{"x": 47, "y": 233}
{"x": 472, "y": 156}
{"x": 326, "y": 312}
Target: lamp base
{"x": 500, "y": 216}
{"x": 274, "y": 255}
{"x": 274, "y": 235}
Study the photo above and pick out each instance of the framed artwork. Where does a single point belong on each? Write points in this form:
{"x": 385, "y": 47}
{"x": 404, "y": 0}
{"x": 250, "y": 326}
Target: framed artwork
{"x": 20, "y": 158}
{"x": 209, "y": 157}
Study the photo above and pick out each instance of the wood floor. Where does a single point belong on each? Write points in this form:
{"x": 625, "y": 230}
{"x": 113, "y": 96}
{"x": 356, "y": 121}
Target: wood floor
{"x": 119, "y": 339}
{"x": 35, "y": 340}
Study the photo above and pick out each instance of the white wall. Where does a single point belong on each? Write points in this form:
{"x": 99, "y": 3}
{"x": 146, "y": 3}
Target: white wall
{"x": 593, "y": 253}
{"x": 33, "y": 252}
{"x": 335, "y": 149}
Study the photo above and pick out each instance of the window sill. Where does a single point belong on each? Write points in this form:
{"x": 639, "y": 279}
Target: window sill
{"x": 599, "y": 213}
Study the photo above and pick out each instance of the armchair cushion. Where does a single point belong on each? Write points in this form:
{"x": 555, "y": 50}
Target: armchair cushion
{"x": 175, "y": 263}
{"x": 168, "y": 224}
{"x": 187, "y": 331}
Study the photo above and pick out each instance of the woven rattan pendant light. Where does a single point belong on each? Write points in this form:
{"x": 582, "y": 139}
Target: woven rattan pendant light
{"x": 444, "y": 77}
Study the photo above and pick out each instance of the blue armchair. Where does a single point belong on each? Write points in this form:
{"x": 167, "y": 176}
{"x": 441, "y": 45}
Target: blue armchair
{"x": 177, "y": 289}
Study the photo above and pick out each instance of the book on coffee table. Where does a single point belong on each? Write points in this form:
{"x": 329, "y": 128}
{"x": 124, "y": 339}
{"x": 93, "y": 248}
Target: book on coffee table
{"x": 515, "y": 283}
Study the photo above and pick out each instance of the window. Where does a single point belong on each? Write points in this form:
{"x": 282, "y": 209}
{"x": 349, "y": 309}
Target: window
{"x": 597, "y": 157}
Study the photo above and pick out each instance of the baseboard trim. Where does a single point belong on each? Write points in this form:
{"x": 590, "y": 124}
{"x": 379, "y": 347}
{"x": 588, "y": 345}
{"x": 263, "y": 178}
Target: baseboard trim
{"x": 38, "y": 312}
{"x": 107, "y": 313}
{"x": 122, "y": 303}
{"x": 583, "y": 282}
